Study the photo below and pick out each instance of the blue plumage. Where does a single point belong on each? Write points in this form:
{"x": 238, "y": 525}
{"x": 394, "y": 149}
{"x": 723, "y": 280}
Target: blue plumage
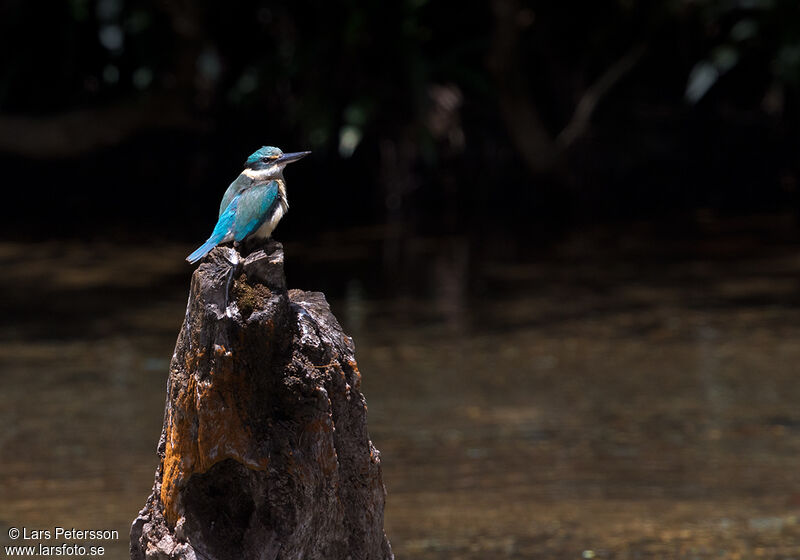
{"x": 254, "y": 203}
{"x": 255, "y": 206}
{"x": 202, "y": 250}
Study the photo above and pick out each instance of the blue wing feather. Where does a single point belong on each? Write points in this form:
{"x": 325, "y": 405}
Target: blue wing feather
{"x": 256, "y": 205}
{"x": 238, "y": 186}
{"x": 246, "y": 211}
{"x": 221, "y": 231}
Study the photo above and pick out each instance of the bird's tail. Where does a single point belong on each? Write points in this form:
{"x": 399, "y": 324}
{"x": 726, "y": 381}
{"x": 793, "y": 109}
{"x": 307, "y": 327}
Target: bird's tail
{"x": 202, "y": 250}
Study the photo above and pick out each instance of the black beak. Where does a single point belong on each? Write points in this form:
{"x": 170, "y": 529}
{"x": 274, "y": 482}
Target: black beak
{"x": 289, "y": 158}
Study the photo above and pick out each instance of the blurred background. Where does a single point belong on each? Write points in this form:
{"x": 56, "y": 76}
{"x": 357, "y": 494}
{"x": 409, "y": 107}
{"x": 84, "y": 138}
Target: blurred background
{"x": 564, "y": 236}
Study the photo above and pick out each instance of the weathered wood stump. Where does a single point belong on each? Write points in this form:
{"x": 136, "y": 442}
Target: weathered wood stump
{"x": 264, "y": 452}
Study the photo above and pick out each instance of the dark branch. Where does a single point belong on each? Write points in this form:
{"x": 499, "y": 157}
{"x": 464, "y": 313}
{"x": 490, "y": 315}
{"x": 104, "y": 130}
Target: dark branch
{"x": 581, "y": 118}
{"x": 75, "y": 133}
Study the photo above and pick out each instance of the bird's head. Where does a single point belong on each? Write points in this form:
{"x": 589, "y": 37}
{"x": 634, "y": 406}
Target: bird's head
{"x": 269, "y": 161}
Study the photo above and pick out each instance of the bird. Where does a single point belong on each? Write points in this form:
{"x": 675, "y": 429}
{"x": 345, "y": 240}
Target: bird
{"x": 254, "y": 203}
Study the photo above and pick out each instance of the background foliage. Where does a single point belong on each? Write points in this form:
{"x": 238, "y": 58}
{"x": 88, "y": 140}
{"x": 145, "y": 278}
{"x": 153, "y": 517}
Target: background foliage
{"x": 131, "y": 117}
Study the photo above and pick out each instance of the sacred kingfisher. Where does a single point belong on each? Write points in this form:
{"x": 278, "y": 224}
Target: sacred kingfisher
{"x": 254, "y": 203}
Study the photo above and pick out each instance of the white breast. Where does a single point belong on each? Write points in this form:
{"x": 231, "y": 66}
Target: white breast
{"x": 283, "y": 205}
{"x": 266, "y": 230}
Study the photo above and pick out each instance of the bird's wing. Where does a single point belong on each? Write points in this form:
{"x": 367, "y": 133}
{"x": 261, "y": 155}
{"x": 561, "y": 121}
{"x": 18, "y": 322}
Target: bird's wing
{"x": 239, "y": 184}
{"x": 255, "y": 205}
{"x": 222, "y": 231}
{"x": 227, "y": 219}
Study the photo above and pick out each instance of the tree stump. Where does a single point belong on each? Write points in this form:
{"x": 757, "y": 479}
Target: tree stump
{"x": 264, "y": 451}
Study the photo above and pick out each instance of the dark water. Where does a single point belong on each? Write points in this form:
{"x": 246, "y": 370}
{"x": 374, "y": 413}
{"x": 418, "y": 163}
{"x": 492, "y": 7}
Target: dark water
{"x": 637, "y": 401}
